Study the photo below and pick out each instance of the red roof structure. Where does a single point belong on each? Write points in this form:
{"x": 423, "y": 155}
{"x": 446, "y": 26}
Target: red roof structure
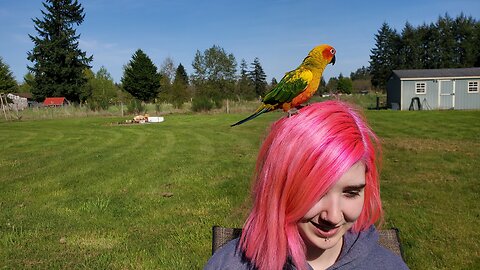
{"x": 55, "y": 101}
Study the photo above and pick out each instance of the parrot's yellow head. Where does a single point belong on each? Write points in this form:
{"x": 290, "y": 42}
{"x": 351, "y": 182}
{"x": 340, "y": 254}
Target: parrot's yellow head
{"x": 322, "y": 54}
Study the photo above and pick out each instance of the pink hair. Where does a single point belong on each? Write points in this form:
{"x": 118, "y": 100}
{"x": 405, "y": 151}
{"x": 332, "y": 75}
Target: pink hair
{"x": 300, "y": 160}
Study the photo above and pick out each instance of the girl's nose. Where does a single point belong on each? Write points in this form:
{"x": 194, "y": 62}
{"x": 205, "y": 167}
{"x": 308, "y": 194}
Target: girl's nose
{"x": 331, "y": 211}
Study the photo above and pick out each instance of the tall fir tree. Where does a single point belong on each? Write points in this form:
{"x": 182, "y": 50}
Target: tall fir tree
{"x": 410, "y": 48}
{"x": 243, "y": 69}
{"x": 446, "y": 43}
{"x": 467, "y": 49}
{"x": 244, "y": 88}
{"x": 7, "y": 80}
{"x": 179, "y": 93}
{"x": 140, "y": 77}
{"x": 58, "y": 62}
{"x": 384, "y": 57}
{"x": 258, "y": 77}
{"x": 274, "y": 82}
{"x": 429, "y": 37}
{"x": 181, "y": 75}
{"x": 476, "y": 41}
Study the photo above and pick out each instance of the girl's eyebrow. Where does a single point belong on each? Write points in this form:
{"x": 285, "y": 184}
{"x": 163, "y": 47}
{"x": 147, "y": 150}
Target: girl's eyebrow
{"x": 355, "y": 187}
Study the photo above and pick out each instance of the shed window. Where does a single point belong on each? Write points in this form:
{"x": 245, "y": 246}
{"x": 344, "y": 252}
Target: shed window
{"x": 473, "y": 87}
{"x": 420, "y": 88}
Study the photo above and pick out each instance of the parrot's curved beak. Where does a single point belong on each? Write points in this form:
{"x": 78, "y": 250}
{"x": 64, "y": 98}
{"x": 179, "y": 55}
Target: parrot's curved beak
{"x": 333, "y": 60}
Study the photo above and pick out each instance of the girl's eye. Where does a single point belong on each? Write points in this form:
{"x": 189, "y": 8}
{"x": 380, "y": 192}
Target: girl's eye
{"x": 351, "y": 194}
{"x": 354, "y": 191}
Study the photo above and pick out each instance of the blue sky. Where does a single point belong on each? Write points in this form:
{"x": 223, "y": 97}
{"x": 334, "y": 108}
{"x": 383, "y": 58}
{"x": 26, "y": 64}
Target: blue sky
{"x": 279, "y": 32}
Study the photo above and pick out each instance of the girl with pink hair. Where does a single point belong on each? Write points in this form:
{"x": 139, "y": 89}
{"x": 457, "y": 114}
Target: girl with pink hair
{"x": 316, "y": 197}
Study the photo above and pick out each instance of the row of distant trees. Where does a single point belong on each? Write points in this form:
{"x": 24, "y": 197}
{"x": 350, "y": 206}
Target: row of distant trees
{"x": 60, "y": 68}
{"x": 447, "y": 43}
{"x": 213, "y": 80}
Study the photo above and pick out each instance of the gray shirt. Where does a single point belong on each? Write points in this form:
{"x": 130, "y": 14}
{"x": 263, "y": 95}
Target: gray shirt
{"x": 360, "y": 251}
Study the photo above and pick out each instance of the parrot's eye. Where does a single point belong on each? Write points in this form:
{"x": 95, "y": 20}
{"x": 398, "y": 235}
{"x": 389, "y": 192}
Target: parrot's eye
{"x": 332, "y": 51}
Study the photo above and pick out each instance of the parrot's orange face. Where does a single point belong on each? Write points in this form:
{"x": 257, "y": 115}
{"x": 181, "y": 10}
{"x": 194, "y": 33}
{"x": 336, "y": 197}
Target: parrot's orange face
{"x": 329, "y": 54}
{"x": 324, "y": 53}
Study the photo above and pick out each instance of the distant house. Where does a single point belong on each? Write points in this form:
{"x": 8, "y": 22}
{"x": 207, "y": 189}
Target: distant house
{"x": 55, "y": 102}
{"x": 437, "y": 89}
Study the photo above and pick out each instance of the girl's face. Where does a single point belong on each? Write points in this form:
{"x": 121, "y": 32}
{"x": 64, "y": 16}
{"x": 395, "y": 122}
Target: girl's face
{"x": 324, "y": 225}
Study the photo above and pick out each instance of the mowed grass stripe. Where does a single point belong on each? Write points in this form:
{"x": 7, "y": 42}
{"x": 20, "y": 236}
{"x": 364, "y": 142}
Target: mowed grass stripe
{"x": 430, "y": 184}
{"x": 56, "y": 148}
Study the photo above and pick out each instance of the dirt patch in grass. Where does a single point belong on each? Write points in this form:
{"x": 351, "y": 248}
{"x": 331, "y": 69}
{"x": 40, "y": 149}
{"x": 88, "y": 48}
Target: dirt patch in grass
{"x": 93, "y": 241}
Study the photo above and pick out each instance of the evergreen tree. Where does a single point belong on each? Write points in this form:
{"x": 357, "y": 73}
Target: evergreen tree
{"x": 446, "y": 43}
{"x": 181, "y": 75}
{"x": 258, "y": 77}
{"x": 467, "y": 49}
{"x": 476, "y": 42}
{"x": 243, "y": 69}
{"x": 7, "y": 80}
{"x": 179, "y": 93}
{"x": 245, "y": 88}
{"x": 274, "y": 82}
{"x": 429, "y": 37}
{"x": 384, "y": 57}
{"x": 411, "y": 48}
{"x": 58, "y": 63}
{"x": 140, "y": 77}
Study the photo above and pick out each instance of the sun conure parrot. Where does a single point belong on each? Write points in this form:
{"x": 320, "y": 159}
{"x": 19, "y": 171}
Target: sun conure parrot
{"x": 298, "y": 85}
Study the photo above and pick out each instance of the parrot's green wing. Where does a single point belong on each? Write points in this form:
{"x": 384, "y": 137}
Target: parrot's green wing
{"x": 291, "y": 85}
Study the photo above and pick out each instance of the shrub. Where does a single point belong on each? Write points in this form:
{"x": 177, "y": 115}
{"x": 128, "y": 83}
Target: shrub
{"x": 201, "y": 103}
{"x": 98, "y": 105}
{"x": 135, "y": 106}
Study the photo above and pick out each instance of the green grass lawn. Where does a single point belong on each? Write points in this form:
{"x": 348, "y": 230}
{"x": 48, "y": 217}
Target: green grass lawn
{"x": 85, "y": 193}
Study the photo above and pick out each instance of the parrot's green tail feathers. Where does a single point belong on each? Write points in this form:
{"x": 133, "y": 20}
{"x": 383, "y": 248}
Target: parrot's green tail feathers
{"x": 254, "y": 115}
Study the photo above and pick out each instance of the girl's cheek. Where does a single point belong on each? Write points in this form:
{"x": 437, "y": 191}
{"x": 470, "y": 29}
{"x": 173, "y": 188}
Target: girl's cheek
{"x": 353, "y": 210}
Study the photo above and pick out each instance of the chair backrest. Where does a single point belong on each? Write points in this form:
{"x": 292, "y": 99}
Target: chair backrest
{"x": 387, "y": 238}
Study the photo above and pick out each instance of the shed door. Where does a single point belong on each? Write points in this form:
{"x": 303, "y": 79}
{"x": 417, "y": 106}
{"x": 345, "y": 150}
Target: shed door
{"x": 447, "y": 94}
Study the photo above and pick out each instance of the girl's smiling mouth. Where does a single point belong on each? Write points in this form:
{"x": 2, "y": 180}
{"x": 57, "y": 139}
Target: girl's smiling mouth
{"x": 325, "y": 230}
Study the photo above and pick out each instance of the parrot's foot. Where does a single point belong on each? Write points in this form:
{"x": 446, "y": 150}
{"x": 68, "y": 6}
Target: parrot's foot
{"x": 292, "y": 111}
